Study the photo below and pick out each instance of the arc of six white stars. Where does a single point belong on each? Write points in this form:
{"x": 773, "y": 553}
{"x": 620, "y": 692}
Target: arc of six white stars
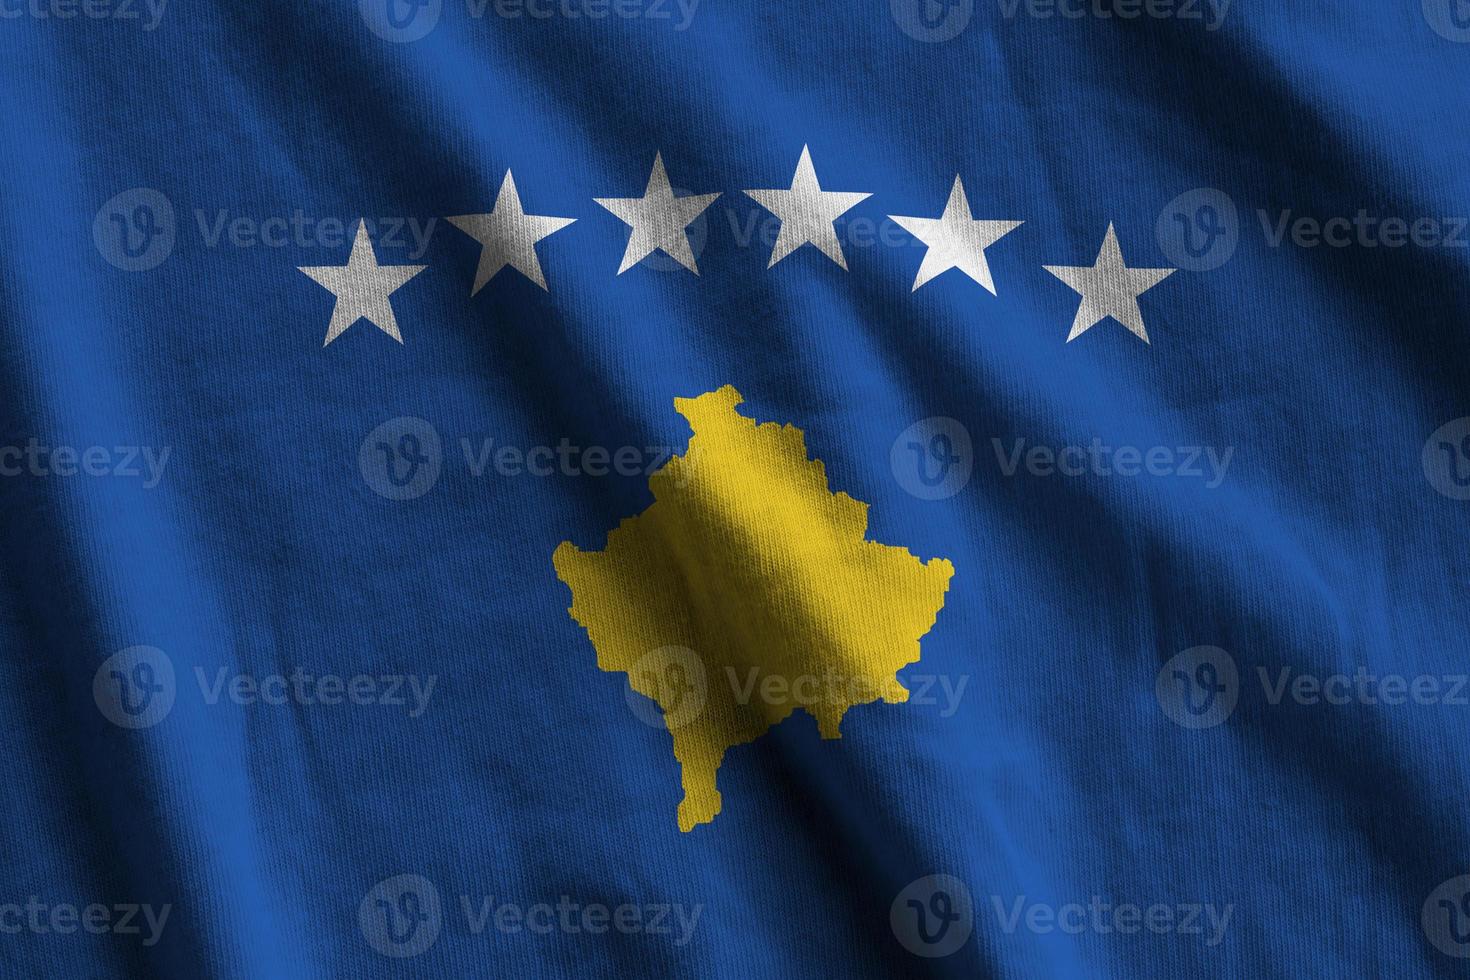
{"x": 658, "y": 221}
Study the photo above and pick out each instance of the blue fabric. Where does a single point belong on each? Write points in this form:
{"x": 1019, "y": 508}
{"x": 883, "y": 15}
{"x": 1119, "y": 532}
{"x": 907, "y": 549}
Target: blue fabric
{"x": 1060, "y": 776}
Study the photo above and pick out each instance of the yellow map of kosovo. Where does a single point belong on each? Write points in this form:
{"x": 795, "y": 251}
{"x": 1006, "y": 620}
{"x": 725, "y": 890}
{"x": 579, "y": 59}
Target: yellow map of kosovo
{"x": 748, "y": 590}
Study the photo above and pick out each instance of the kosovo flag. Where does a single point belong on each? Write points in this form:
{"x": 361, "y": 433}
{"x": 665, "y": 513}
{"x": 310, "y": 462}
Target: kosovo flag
{"x": 702, "y": 488}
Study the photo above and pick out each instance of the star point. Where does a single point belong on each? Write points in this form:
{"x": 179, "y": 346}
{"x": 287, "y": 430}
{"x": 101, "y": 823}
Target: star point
{"x": 1109, "y": 288}
{"x": 807, "y": 213}
{"x": 658, "y": 220}
{"x": 956, "y": 240}
{"x": 363, "y": 288}
{"x": 508, "y": 236}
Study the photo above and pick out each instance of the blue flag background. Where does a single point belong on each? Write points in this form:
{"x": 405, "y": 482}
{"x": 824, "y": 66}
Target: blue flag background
{"x": 1180, "y": 717}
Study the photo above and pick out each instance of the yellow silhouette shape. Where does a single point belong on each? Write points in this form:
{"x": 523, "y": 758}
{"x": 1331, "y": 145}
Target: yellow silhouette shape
{"x": 747, "y": 590}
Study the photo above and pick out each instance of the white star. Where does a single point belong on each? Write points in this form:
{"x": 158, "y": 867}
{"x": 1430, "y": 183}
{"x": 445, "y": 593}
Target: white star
{"x": 362, "y": 288}
{"x": 658, "y": 220}
{"x": 956, "y": 240}
{"x": 807, "y": 212}
{"x": 509, "y": 236}
{"x": 1109, "y": 289}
